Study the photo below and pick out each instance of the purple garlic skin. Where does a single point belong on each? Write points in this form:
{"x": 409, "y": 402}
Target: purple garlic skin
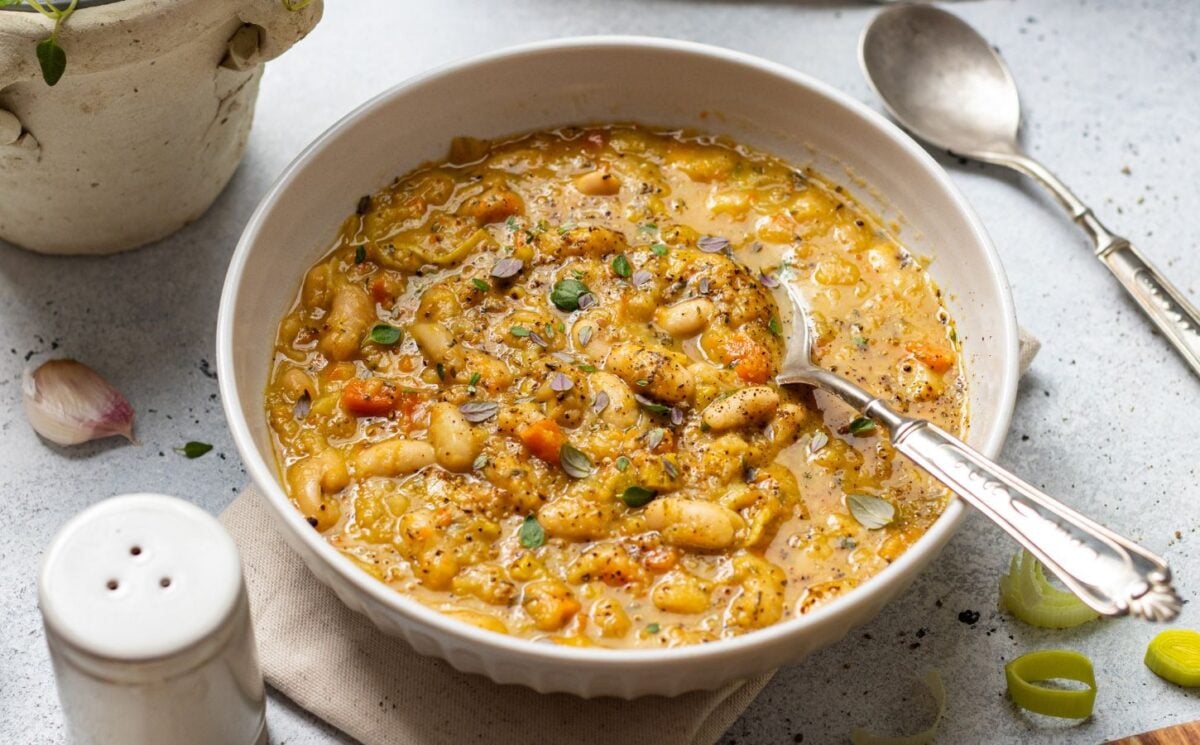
{"x": 68, "y": 403}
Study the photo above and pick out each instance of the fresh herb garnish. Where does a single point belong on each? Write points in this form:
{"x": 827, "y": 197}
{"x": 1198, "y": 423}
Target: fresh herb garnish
{"x": 360, "y": 254}
{"x": 574, "y": 461}
{"x": 670, "y": 467}
{"x": 655, "y": 437}
{"x": 384, "y": 335}
{"x": 860, "y": 342}
{"x": 194, "y": 449}
{"x": 621, "y": 266}
{"x": 659, "y": 249}
{"x": 565, "y": 228}
{"x": 507, "y": 268}
{"x": 712, "y": 244}
{"x": 653, "y": 628}
{"x": 636, "y": 496}
{"x": 862, "y": 426}
{"x": 519, "y": 331}
{"x": 566, "y": 294}
{"x": 818, "y": 441}
{"x": 480, "y": 285}
{"x": 480, "y": 462}
{"x": 440, "y": 369}
{"x": 871, "y": 512}
{"x": 585, "y": 335}
{"x": 774, "y": 327}
{"x": 622, "y": 463}
{"x": 601, "y": 402}
{"x": 511, "y": 222}
{"x": 649, "y": 405}
{"x": 479, "y": 411}
{"x": 531, "y": 533}
{"x": 588, "y": 368}
{"x": 473, "y": 381}
{"x": 648, "y": 227}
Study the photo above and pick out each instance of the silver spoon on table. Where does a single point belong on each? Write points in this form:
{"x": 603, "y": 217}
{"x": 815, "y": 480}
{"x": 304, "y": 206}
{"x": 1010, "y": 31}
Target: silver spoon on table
{"x": 1114, "y": 576}
{"x": 944, "y": 83}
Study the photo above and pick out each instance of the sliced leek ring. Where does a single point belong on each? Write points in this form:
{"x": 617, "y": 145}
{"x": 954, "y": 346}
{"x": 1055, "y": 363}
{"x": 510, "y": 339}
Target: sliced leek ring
{"x": 1026, "y": 671}
{"x": 934, "y": 681}
{"x": 1174, "y": 655}
{"x": 1027, "y": 594}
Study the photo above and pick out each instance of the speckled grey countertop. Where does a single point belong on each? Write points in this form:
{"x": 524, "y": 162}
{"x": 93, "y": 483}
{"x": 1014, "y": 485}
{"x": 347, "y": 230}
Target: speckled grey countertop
{"x": 1106, "y": 418}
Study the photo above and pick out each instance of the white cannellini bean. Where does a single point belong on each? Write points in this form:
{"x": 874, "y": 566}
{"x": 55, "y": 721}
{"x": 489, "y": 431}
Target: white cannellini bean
{"x": 454, "y": 442}
{"x": 622, "y": 409}
{"x": 687, "y": 318}
{"x": 651, "y": 372}
{"x": 393, "y": 458}
{"x": 753, "y": 405}
{"x": 312, "y": 478}
{"x": 434, "y": 339}
{"x": 598, "y": 183}
{"x": 692, "y": 523}
{"x": 349, "y": 318}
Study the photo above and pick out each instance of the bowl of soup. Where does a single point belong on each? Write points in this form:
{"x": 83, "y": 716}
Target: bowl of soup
{"x": 499, "y": 348}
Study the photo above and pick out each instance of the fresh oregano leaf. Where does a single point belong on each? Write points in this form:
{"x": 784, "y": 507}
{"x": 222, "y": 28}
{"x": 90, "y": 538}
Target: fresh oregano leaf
{"x": 531, "y": 533}
{"x": 871, "y": 512}
{"x": 637, "y": 496}
{"x": 574, "y": 461}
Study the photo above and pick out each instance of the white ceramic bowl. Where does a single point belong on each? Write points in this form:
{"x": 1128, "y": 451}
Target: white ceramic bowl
{"x": 589, "y": 80}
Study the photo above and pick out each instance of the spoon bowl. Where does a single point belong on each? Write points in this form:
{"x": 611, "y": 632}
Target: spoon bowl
{"x": 947, "y": 85}
{"x": 942, "y": 80}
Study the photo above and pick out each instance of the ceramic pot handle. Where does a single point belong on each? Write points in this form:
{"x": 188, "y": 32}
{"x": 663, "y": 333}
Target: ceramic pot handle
{"x": 269, "y": 29}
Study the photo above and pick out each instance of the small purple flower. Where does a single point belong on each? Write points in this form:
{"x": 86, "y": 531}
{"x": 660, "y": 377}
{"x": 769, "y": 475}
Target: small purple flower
{"x": 536, "y": 338}
{"x": 676, "y": 416}
{"x": 641, "y": 278}
{"x": 561, "y": 383}
{"x": 586, "y": 300}
{"x": 769, "y": 280}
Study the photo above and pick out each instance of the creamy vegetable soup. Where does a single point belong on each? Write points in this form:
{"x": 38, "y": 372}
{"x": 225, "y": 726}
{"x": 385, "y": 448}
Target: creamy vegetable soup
{"x": 532, "y": 387}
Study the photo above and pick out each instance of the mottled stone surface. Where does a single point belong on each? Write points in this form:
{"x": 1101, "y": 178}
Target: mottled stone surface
{"x": 1106, "y": 418}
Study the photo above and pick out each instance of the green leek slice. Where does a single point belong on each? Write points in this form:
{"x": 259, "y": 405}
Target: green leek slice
{"x": 1024, "y": 673}
{"x": 1027, "y": 594}
{"x": 1174, "y": 655}
{"x": 934, "y": 681}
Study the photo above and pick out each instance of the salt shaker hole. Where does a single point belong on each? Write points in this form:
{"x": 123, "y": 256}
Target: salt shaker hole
{"x": 112, "y": 584}
{"x": 165, "y": 582}
{"x": 135, "y": 550}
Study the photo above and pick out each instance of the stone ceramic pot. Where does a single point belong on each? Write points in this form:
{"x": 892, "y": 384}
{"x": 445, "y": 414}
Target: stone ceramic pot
{"x": 146, "y": 126}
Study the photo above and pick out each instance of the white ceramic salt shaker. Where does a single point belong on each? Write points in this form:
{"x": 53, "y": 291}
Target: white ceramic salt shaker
{"x": 148, "y": 627}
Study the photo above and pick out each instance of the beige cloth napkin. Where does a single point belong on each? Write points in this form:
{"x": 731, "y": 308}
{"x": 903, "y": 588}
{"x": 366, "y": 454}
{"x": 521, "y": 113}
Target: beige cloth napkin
{"x": 337, "y": 665}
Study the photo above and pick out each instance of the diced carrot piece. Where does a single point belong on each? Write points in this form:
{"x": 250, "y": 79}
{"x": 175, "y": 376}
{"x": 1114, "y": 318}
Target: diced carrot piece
{"x": 370, "y": 397}
{"x": 379, "y": 291}
{"x": 937, "y": 357}
{"x": 751, "y": 360}
{"x": 543, "y": 438}
{"x": 661, "y": 559}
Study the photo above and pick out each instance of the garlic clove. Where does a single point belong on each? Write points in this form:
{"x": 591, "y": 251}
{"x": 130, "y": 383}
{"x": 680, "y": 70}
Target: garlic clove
{"x": 67, "y": 402}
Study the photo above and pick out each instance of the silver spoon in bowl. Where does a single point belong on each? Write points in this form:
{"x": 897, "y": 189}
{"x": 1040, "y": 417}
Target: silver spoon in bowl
{"x": 1113, "y": 575}
{"x": 944, "y": 83}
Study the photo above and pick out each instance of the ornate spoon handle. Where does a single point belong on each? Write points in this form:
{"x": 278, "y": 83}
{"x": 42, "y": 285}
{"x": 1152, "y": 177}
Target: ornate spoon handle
{"x": 1167, "y": 307}
{"x": 1111, "y": 574}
